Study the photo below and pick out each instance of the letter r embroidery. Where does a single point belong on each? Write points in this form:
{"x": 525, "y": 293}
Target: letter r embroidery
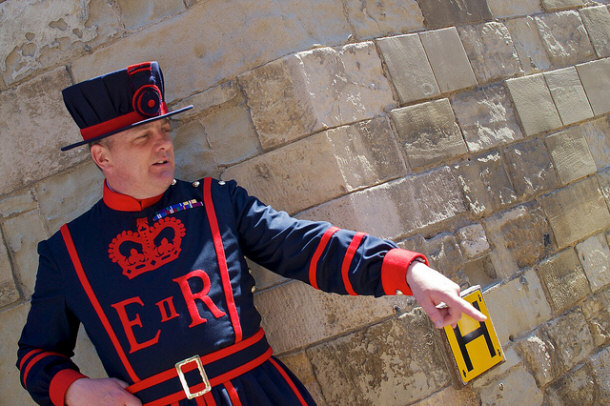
{"x": 190, "y": 296}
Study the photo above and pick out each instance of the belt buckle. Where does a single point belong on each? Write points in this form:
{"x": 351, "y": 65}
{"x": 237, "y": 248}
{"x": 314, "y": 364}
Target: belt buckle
{"x": 204, "y": 377}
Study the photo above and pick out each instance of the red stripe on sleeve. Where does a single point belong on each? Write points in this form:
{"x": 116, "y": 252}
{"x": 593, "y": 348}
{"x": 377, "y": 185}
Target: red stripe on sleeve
{"x": 27, "y": 356}
{"x": 289, "y": 381}
{"x": 220, "y": 255}
{"x": 65, "y": 232}
{"x": 33, "y": 362}
{"x": 60, "y": 384}
{"x": 347, "y": 262}
{"x": 313, "y": 266}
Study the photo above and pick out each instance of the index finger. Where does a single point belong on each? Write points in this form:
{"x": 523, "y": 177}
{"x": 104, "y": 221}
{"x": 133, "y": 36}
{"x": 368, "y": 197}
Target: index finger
{"x": 465, "y": 307}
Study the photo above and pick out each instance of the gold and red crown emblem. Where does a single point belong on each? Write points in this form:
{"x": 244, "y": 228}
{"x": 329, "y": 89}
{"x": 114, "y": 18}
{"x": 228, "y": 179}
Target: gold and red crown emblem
{"x": 149, "y": 248}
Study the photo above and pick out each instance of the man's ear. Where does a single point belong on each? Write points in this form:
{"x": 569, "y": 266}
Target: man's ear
{"x": 100, "y": 155}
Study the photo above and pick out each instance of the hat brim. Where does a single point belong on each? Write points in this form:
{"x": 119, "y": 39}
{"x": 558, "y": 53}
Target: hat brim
{"x": 139, "y": 123}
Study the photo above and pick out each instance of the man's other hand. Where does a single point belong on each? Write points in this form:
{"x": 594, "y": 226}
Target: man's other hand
{"x": 102, "y": 392}
{"x": 431, "y": 289}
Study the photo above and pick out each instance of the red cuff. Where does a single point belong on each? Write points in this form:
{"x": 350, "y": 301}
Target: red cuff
{"x": 394, "y": 270}
{"x": 60, "y": 383}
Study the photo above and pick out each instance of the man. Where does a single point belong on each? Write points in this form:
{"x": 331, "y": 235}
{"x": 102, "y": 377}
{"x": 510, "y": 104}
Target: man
{"x": 156, "y": 272}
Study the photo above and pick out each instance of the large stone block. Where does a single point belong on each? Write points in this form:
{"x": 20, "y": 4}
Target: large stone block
{"x": 565, "y": 38}
{"x": 372, "y": 19}
{"x": 604, "y": 183}
{"x": 525, "y": 297}
{"x": 540, "y": 354}
{"x": 451, "y": 395}
{"x": 396, "y": 208}
{"x": 576, "y": 388}
{"x": 597, "y": 21}
{"x": 502, "y": 8}
{"x": 441, "y": 46}
{"x": 19, "y": 202}
{"x": 576, "y": 211}
{"x": 12, "y": 321}
{"x": 8, "y": 288}
{"x": 600, "y": 367}
{"x": 473, "y": 240}
{"x": 564, "y": 279}
{"x": 491, "y": 51}
{"x": 36, "y": 35}
{"x": 64, "y": 197}
{"x": 260, "y": 31}
{"x": 308, "y": 315}
{"x": 597, "y": 134}
{"x": 485, "y": 184}
{"x": 572, "y": 348}
{"x": 22, "y": 234}
{"x": 408, "y": 66}
{"x": 444, "y": 255}
{"x": 135, "y": 14}
{"x": 595, "y": 78}
{"x": 528, "y": 43}
{"x": 194, "y": 156}
{"x": 517, "y": 387}
{"x": 393, "y": 363}
{"x": 226, "y": 125}
{"x": 486, "y": 117}
{"x": 35, "y": 124}
{"x": 569, "y": 95}
{"x": 350, "y": 157}
{"x": 443, "y": 13}
{"x": 520, "y": 237}
{"x": 314, "y": 90}
{"x": 596, "y": 309}
{"x": 428, "y": 132}
{"x": 530, "y": 168}
{"x": 534, "y": 104}
{"x": 554, "y": 5}
{"x": 299, "y": 364}
{"x": 571, "y": 155}
{"x": 595, "y": 259}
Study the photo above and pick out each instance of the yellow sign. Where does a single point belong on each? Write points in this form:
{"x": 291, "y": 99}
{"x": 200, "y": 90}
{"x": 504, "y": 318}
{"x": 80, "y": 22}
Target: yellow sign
{"x": 474, "y": 344}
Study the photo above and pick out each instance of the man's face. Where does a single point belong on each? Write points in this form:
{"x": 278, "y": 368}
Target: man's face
{"x": 138, "y": 162}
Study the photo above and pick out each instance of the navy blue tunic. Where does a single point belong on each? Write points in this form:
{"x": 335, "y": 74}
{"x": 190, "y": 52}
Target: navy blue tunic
{"x": 157, "y": 284}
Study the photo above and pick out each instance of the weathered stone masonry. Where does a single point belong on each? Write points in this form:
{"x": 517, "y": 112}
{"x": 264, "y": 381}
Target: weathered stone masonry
{"x": 476, "y": 131}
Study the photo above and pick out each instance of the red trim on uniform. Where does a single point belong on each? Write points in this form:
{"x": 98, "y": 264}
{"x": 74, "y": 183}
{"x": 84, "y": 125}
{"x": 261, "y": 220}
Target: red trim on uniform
{"x": 289, "y": 381}
{"x": 111, "y": 125}
{"x": 209, "y": 399}
{"x": 227, "y": 376}
{"x": 232, "y": 393}
{"x": 220, "y": 255}
{"x": 28, "y": 355}
{"x": 119, "y": 201}
{"x": 34, "y": 361}
{"x": 60, "y": 384}
{"x": 347, "y": 262}
{"x": 133, "y": 69}
{"x": 65, "y": 232}
{"x": 394, "y": 270}
{"x": 313, "y": 266}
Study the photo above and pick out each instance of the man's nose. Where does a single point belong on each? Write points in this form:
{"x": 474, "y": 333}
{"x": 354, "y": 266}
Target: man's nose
{"x": 163, "y": 139}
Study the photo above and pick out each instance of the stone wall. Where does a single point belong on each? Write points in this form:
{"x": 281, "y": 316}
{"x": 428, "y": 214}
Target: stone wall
{"x": 475, "y": 131}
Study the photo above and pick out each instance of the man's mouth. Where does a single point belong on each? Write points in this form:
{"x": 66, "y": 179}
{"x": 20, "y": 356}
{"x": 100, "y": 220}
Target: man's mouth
{"x": 161, "y": 162}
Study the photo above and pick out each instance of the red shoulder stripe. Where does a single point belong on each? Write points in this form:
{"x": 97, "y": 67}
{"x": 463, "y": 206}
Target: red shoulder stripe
{"x": 313, "y": 265}
{"x": 220, "y": 255}
{"x": 347, "y": 261}
{"x": 65, "y": 232}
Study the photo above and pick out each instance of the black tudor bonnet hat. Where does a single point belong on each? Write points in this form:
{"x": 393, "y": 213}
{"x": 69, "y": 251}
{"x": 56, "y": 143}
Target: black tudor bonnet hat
{"x": 117, "y": 101}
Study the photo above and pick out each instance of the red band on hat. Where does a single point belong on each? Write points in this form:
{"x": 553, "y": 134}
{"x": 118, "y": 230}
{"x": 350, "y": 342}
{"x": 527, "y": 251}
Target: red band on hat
{"x": 117, "y": 123}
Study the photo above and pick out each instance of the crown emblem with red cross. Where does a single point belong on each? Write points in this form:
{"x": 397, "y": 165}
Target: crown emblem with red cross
{"x": 149, "y": 248}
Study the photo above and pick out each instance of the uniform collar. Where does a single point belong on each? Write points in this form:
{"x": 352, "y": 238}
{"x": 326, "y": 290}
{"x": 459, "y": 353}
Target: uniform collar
{"x": 121, "y": 202}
